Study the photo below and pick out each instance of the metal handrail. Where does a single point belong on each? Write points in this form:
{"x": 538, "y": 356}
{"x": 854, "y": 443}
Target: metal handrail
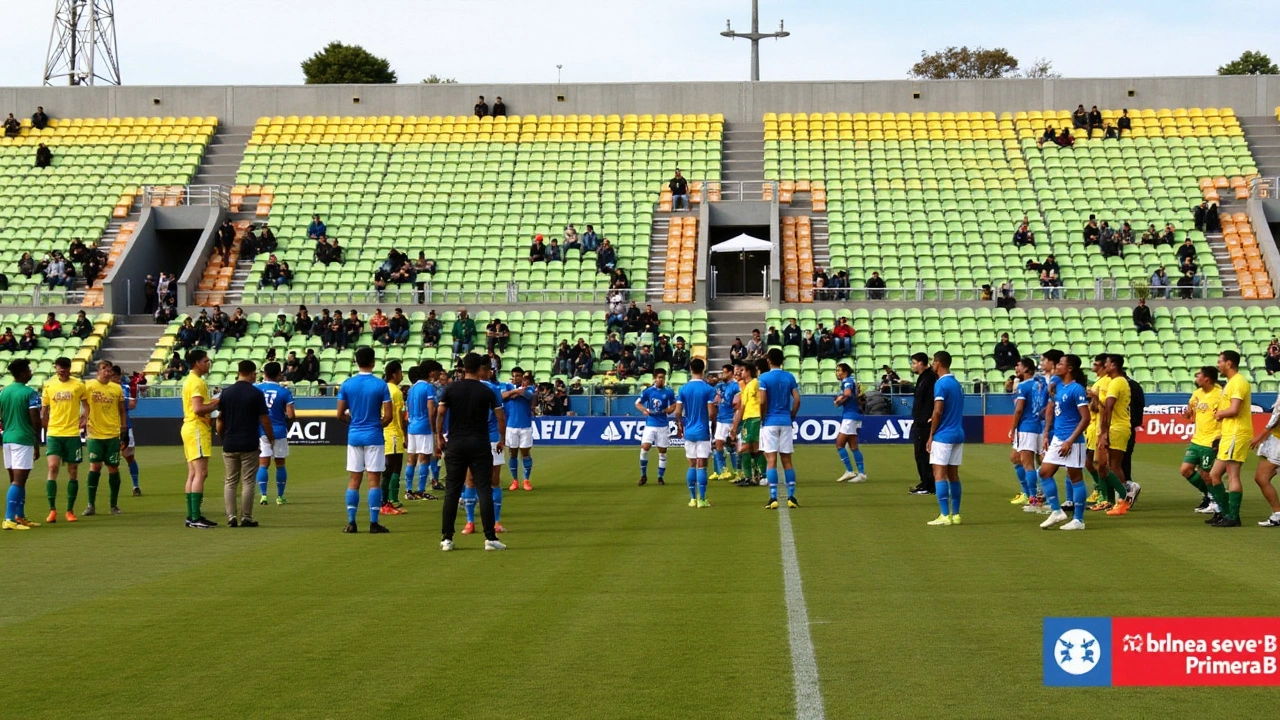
{"x": 745, "y": 189}
{"x": 1265, "y": 188}
{"x": 219, "y": 195}
{"x": 1101, "y": 290}
{"x": 511, "y": 294}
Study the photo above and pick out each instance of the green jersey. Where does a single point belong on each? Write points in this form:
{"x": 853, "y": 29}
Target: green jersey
{"x": 16, "y": 401}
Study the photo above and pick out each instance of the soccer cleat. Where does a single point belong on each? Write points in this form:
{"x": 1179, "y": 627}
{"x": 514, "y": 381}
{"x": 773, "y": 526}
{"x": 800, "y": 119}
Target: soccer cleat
{"x": 1073, "y": 525}
{"x": 281, "y": 501}
{"x": 955, "y": 519}
{"x": 205, "y": 522}
{"x": 1273, "y": 521}
{"x": 116, "y": 511}
{"x": 232, "y": 522}
{"x": 661, "y": 481}
{"x": 437, "y": 485}
{"x": 263, "y": 501}
{"x": 1133, "y": 489}
{"x": 1030, "y": 508}
{"x": 643, "y": 479}
{"x": 1213, "y": 519}
{"x": 26, "y": 522}
{"x": 350, "y": 528}
{"x": 940, "y": 520}
{"x": 1227, "y": 522}
{"x": 1205, "y": 502}
{"x": 389, "y": 509}
{"x": 497, "y": 527}
{"x": 246, "y": 522}
{"x": 693, "y": 502}
{"x": 704, "y": 503}
{"x": 791, "y": 502}
{"x": 468, "y": 528}
{"x": 848, "y": 476}
{"x": 137, "y": 492}
{"x": 70, "y": 516}
{"x": 1055, "y": 518}
{"x": 861, "y": 478}
{"x": 189, "y": 523}
{"x": 88, "y": 510}
{"x": 428, "y": 496}
{"x": 1121, "y": 508}
{"x": 1210, "y": 509}
{"x": 397, "y": 504}
{"x": 494, "y": 545}
{"x": 920, "y": 490}
{"x": 1019, "y": 499}
{"x": 1100, "y": 505}
{"x": 376, "y": 529}
{"x": 714, "y": 476}
{"x": 446, "y": 545}
{"x": 762, "y": 482}
{"x": 514, "y": 486}
{"x": 528, "y": 486}
{"x": 13, "y": 525}
{"x": 771, "y": 505}
{"x": 1093, "y": 498}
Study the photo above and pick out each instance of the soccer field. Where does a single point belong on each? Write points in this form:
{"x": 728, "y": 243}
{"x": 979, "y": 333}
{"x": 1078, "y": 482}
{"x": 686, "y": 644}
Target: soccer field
{"x": 613, "y": 600}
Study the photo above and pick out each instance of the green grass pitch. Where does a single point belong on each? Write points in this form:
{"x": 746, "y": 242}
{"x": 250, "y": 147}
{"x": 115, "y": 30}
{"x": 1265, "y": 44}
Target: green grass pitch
{"x": 613, "y": 601}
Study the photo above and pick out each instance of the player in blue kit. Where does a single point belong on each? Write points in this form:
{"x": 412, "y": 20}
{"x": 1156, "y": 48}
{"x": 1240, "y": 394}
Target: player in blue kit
{"x": 1064, "y": 444}
{"x": 126, "y": 449}
{"x": 695, "y": 422}
{"x": 946, "y": 439}
{"x": 726, "y": 391}
{"x": 420, "y": 406}
{"x": 1029, "y": 400}
{"x": 779, "y": 404}
{"x": 280, "y": 411}
{"x": 656, "y": 402}
{"x": 850, "y": 423}
{"x": 364, "y": 402}
{"x": 471, "y": 494}
{"x": 517, "y": 403}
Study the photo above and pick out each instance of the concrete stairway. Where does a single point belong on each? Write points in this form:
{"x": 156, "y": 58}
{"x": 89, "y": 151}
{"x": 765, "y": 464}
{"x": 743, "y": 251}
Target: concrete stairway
{"x": 654, "y": 286}
{"x": 742, "y": 158}
{"x": 131, "y": 342}
{"x": 1263, "y": 135}
{"x": 1226, "y": 271}
{"x": 731, "y": 319}
{"x": 223, "y": 155}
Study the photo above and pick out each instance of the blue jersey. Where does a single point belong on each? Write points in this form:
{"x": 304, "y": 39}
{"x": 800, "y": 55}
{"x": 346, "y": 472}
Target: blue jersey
{"x": 725, "y": 393}
{"x": 656, "y": 400}
{"x": 950, "y": 428}
{"x": 364, "y": 395}
{"x": 278, "y": 399}
{"x": 128, "y": 419}
{"x": 849, "y": 409}
{"x": 417, "y": 404}
{"x": 493, "y": 418}
{"x": 1033, "y": 393}
{"x": 779, "y": 384}
{"x": 519, "y": 409}
{"x": 1066, "y": 410}
{"x": 694, "y": 397}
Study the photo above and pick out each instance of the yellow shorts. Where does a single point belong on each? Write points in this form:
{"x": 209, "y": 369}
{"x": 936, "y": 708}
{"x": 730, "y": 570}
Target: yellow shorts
{"x": 1091, "y": 437}
{"x": 394, "y": 444}
{"x": 1233, "y": 449}
{"x": 197, "y": 441}
{"x": 1119, "y": 437}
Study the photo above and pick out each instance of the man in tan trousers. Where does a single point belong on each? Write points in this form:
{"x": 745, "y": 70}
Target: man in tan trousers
{"x": 242, "y": 416}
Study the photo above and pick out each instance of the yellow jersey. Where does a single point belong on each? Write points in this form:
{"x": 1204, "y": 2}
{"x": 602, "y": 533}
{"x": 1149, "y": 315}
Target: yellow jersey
{"x": 63, "y": 400}
{"x": 1100, "y": 389}
{"x": 751, "y": 400}
{"x": 105, "y": 400}
{"x": 1241, "y": 426}
{"x": 395, "y": 429}
{"x": 1119, "y": 389}
{"x": 1205, "y": 404}
{"x": 194, "y": 386}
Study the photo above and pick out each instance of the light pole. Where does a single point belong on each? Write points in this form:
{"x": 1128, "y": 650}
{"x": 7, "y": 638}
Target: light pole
{"x": 755, "y": 36}
{"x": 558, "y": 67}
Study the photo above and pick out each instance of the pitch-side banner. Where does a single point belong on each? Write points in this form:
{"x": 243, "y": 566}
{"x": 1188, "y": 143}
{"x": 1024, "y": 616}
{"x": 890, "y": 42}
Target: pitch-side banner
{"x": 1160, "y": 424}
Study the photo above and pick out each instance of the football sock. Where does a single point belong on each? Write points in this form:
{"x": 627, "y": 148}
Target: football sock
{"x": 282, "y": 479}
{"x": 497, "y": 504}
{"x": 691, "y": 479}
{"x": 1050, "y": 487}
{"x": 1022, "y": 479}
{"x": 771, "y": 476}
{"x": 789, "y": 475}
{"x": 469, "y": 499}
{"x": 353, "y": 504}
{"x": 1098, "y": 485}
{"x": 393, "y": 488}
{"x": 1198, "y": 483}
{"x": 1113, "y": 482}
{"x": 435, "y": 468}
{"x": 1219, "y": 493}
{"x": 51, "y": 490}
{"x": 718, "y": 461}
{"x": 954, "y": 492}
{"x": 735, "y": 460}
{"x": 22, "y": 501}
{"x": 943, "y": 489}
{"x": 702, "y": 483}
{"x": 409, "y": 471}
{"x": 1233, "y": 502}
{"x": 644, "y": 463}
{"x": 662, "y": 465}
{"x": 113, "y": 487}
{"x": 528, "y": 467}
{"x": 513, "y": 466}
{"x": 95, "y": 476}
{"x": 11, "y": 503}
{"x": 1078, "y": 494}
{"x": 133, "y": 470}
{"x": 375, "y": 503}
{"x": 73, "y": 491}
{"x": 197, "y": 499}
{"x": 762, "y": 465}
{"x": 262, "y": 480}
{"x": 857, "y": 460}
{"x": 844, "y": 458}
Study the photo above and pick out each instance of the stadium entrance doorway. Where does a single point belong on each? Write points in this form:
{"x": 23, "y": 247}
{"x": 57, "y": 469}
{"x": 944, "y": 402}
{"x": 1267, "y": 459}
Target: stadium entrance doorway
{"x": 739, "y": 260}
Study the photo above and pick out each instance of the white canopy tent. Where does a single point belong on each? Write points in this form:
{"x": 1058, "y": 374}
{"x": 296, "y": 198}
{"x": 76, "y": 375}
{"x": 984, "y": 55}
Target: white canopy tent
{"x": 743, "y": 243}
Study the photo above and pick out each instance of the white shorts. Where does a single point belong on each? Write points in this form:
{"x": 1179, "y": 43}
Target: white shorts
{"x": 278, "y": 449}
{"x": 421, "y": 444}
{"x": 497, "y": 454}
{"x": 519, "y": 437}
{"x": 1073, "y": 459}
{"x": 946, "y": 453}
{"x": 18, "y": 457}
{"x": 697, "y": 449}
{"x": 366, "y": 458}
{"x": 722, "y": 431}
{"x": 1028, "y": 442}
{"x": 656, "y": 436}
{"x": 1268, "y": 450}
{"x": 850, "y": 427}
{"x": 776, "y": 439}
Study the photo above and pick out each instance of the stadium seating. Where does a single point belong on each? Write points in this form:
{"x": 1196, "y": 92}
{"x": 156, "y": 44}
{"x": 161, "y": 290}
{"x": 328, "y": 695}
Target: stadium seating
{"x": 98, "y": 164}
{"x": 80, "y": 351}
{"x": 1186, "y": 339}
{"x": 937, "y": 196}
{"x": 797, "y": 259}
{"x": 534, "y": 337}
{"x": 469, "y": 192}
{"x": 682, "y": 260}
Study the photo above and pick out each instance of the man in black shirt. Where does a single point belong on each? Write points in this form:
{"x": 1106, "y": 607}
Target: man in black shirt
{"x": 242, "y": 410}
{"x": 1137, "y": 402}
{"x": 1006, "y": 354}
{"x": 922, "y": 413}
{"x": 39, "y": 120}
{"x": 499, "y": 107}
{"x": 482, "y": 108}
{"x": 679, "y": 191}
{"x": 468, "y": 402}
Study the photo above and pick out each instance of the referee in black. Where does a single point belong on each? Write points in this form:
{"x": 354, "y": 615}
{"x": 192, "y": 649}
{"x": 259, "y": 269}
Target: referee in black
{"x": 468, "y": 402}
{"x": 922, "y": 415}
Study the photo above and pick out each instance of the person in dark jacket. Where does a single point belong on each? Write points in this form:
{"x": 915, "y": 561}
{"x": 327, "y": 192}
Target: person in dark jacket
{"x": 44, "y": 156}
{"x": 1142, "y": 319}
{"x": 1137, "y": 403}
{"x": 791, "y": 334}
{"x": 1006, "y": 354}
{"x": 922, "y": 413}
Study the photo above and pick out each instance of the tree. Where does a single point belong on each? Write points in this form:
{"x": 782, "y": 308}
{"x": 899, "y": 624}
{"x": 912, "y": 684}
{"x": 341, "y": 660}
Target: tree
{"x": 338, "y": 63}
{"x": 1250, "y": 62}
{"x": 956, "y": 63}
{"x": 434, "y": 79}
{"x": 1041, "y": 68}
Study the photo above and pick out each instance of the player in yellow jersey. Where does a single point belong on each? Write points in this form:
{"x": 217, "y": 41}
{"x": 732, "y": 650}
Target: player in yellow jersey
{"x": 107, "y": 432}
{"x": 1097, "y": 393}
{"x": 63, "y": 413}
{"x": 394, "y": 439}
{"x": 1197, "y": 461}
{"x": 1114, "y": 432}
{"x": 1268, "y": 447}
{"x": 747, "y": 418}
{"x": 1237, "y": 433}
{"x": 197, "y": 435}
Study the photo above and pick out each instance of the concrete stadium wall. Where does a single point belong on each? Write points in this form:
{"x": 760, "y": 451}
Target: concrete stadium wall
{"x": 738, "y": 101}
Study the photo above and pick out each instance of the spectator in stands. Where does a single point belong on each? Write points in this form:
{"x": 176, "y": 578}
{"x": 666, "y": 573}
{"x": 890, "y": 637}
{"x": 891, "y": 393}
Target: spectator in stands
{"x": 353, "y": 327}
{"x": 606, "y": 257}
{"x": 619, "y": 279}
{"x": 827, "y": 346}
{"x": 481, "y": 108}
{"x": 227, "y": 236}
{"x": 1005, "y": 354}
{"x": 841, "y": 283}
{"x": 291, "y": 365}
{"x": 809, "y": 345}
{"x": 303, "y": 322}
{"x": 538, "y": 250}
{"x": 167, "y": 311}
{"x": 82, "y": 328}
{"x": 1186, "y": 285}
{"x": 664, "y": 350}
{"x": 309, "y": 367}
{"x": 615, "y": 310}
{"x": 404, "y": 273}
{"x": 1189, "y": 265}
{"x": 626, "y": 365}
{"x": 177, "y": 368}
{"x": 380, "y": 277}
{"x": 398, "y": 328}
{"x": 464, "y": 332}
{"x": 1107, "y": 242}
{"x": 1160, "y": 283}
{"x": 820, "y": 275}
{"x": 1110, "y": 132}
{"x": 1197, "y": 215}
{"x": 590, "y": 241}
{"x": 217, "y": 327}
{"x": 1050, "y": 135}
{"x": 1142, "y": 318}
{"x": 77, "y": 250}
{"x": 317, "y": 229}
{"x": 1065, "y": 139}
{"x": 1212, "y": 223}
{"x": 283, "y": 328}
{"x": 571, "y": 242}
{"x": 649, "y": 322}
{"x": 378, "y": 323}
{"x": 773, "y": 338}
{"x": 791, "y": 334}
{"x": 267, "y": 240}
{"x": 575, "y": 387}
{"x": 499, "y": 107}
{"x": 432, "y": 328}
{"x": 679, "y": 191}
{"x": 737, "y": 351}
{"x": 334, "y": 336}
{"x": 1124, "y": 236}
{"x": 39, "y": 120}
{"x": 755, "y": 346}
{"x": 1051, "y": 283}
{"x": 583, "y": 361}
{"x": 612, "y": 349}
{"x": 285, "y": 276}
{"x": 875, "y": 286}
{"x": 553, "y": 252}
{"x": 1168, "y": 237}
{"x": 645, "y": 361}
{"x": 28, "y": 340}
{"x": 1271, "y": 363}
{"x": 1095, "y": 120}
{"x": 249, "y": 244}
{"x": 8, "y": 342}
{"x": 69, "y": 277}
{"x": 1150, "y": 236}
{"x": 12, "y": 126}
{"x": 322, "y": 251}
{"x": 843, "y": 334}
{"x": 680, "y": 356}
{"x": 1080, "y": 118}
{"x": 495, "y": 362}
{"x": 890, "y": 381}
{"x": 1124, "y": 124}
{"x": 239, "y": 324}
{"x": 51, "y": 328}
{"x": 188, "y": 335}
{"x": 270, "y": 272}
{"x": 501, "y": 338}
{"x": 564, "y": 358}
{"x": 27, "y": 265}
{"x": 1186, "y": 250}
{"x": 1005, "y": 298}
{"x": 1092, "y": 233}
{"x": 94, "y": 262}
{"x": 1023, "y": 236}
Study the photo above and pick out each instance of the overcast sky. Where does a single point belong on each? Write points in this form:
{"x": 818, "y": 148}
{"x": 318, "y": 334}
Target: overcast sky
{"x": 262, "y": 42}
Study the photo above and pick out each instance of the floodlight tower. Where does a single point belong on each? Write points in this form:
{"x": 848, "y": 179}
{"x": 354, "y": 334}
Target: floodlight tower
{"x": 755, "y": 36}
{"x": 82, "y": 45}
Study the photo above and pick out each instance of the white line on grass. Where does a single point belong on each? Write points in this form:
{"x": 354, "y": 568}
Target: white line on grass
{"x": 804, "y": 666}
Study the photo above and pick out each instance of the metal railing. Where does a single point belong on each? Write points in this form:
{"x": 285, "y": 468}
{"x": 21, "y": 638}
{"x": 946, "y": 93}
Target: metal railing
{"x": 169, "y": 196}
{"x": 1100, "y": 290}
{"x": 1265, "y": 188}
{"x": 744, "y": 190}
{"x": 38, "y": 295}
{"x": 511, "y": 294}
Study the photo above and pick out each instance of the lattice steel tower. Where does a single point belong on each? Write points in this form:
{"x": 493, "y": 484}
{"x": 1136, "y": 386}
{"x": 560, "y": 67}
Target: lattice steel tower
{"x": 82, "y": 46}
